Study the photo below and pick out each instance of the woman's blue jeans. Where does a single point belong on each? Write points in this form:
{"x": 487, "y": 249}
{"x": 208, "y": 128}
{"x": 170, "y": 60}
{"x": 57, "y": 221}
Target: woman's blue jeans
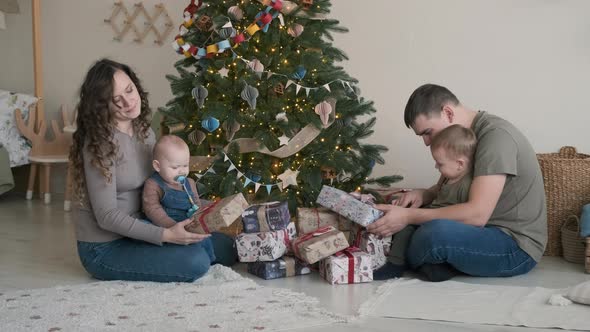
{"x": 476, "y": 251}
{"x": 129, "y": 259}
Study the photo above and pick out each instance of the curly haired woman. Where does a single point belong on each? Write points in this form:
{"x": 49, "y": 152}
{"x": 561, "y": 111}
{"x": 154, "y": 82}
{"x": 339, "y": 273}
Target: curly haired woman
{"x": 111, "y": 158}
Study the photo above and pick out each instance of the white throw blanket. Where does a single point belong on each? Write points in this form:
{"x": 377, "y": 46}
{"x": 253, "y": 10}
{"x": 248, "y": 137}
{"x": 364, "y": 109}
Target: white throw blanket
{"x": 476, "y": 304}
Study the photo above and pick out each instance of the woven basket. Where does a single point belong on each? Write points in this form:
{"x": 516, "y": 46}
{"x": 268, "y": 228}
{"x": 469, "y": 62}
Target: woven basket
{"x": 566, "y": 176}
{"x": 574, "y": 246}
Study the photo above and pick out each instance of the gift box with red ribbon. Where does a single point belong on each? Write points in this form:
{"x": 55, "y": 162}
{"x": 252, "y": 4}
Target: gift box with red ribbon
{"x": 310, "y": 219}
{"x": 350, "y": 266}
{"x": 321, "y": 243}
{"x": 348, "y": 206}
{"x": 219, "y": 215}
{"x": 266, "y": 246}
{"x": 377, "y": 247}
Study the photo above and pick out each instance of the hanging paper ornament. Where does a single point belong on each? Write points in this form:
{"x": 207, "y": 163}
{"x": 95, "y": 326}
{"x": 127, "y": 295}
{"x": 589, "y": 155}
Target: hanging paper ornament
{"x": 306, "y": 4}
{"x": 323, "y": 109}
{"x": 197, "y": 137}
{"x": 230, "y": 128}
{"x": 279, "y": 89}
{"x": 204, "y": 23}
{"x": 300, "y": 72}
{"x": 249, "y": 94}
{"x": 282, "y": 117}
{"x": 295, "y": 30}
{"x": 227, "y": 31}
{"x": 328, "y": 173}
{"x": 253, "y": 176}
{"x": 235, "y": 12}
{"x": 200, "y": 93}
{"x": 210, "y": 123}
{"x": 256, "y": 67}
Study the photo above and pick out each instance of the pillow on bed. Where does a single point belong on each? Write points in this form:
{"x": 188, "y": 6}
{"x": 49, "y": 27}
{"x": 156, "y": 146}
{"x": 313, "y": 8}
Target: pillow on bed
{"x": 17, "y": 146}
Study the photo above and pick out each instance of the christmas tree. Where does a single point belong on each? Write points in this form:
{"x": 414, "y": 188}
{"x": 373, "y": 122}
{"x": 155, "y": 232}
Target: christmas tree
{"x": 264, "y": 107}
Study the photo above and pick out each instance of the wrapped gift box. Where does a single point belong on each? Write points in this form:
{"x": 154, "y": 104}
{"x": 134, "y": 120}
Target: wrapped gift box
{"x": 310, "y": 219}
{"x": 312, "y": 247}
{"x": 266, "y": 246}
{"x": 280, "y": 268}
{"x": 266, "y": 217}
{"x": 376, "y": 246}
{"x": 350, "y": 266}
{"x": 219, "y": 215}
{"x": 348, "y": 206}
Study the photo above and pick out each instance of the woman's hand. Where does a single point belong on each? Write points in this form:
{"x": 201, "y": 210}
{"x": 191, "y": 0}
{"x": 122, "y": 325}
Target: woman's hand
{"x": 178, "y": 235}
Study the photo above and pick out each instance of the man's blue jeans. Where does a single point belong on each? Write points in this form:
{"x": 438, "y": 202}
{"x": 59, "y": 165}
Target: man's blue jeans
{"x": 129, "y": 259}
{"x": 476, "y": 251}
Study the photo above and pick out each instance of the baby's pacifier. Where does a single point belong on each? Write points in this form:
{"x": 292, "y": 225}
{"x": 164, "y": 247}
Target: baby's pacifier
{"x": 192, "y": 211}
{"x": 180, "y": 179}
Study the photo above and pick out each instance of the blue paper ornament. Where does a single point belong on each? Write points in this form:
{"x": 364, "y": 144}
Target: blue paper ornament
{"x": 300, "y": 72}
{"x": 210, "y": 123}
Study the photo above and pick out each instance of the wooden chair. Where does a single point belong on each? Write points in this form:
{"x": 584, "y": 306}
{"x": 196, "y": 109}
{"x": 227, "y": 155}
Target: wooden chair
{"x": 45, "y": 153}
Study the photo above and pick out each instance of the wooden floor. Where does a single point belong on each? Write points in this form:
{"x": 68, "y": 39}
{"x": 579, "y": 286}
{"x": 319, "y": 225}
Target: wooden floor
{"x": 38, "y": 249}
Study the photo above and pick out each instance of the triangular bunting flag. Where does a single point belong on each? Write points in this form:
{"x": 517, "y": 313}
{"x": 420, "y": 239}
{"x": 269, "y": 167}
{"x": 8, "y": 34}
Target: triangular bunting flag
{"x": 231, "y": 168}
{"x": 240, "y": 174}
{"x": 307, "y": 91}
{"x": 289, "y": 82}
{"x": 268, "y": 188}
{"x": 211, "y": 170}
{"x": 256, "y": 186}
{"x": 199, "y": 175}
{"x": 225, "y": 157}
{"x": 247, "y": 182}
{"x": 327, "y": 86}
{"x": 297, "y": 89}
{"x": 269, "y": 74}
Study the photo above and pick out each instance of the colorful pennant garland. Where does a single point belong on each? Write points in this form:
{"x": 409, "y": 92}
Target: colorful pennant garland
{"x": 289, "y": 177}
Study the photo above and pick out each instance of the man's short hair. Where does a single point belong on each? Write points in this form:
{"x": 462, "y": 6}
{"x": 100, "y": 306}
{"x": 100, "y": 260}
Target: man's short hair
{"x": 428, "y": 100}
{"x": 456, "y": 140}
{"x": 166, "y": 142}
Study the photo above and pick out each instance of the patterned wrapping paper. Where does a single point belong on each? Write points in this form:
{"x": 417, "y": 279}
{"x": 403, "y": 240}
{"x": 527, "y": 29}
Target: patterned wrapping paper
{"x": 377, "y": 247}
{"x": 266, "y": 217}
{"x": 350, "y": 266}
{"x": 310, "y": 219}
{"x": 312, "y": 247}
{"x": 218, "y": 215}
{"x": 280, "y": 268}
{"x": 265, "y": 247}
{"x": 348, "y": 206}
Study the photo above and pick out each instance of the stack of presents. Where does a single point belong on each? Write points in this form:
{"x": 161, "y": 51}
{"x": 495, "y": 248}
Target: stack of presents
{"x": 332, "y": 239}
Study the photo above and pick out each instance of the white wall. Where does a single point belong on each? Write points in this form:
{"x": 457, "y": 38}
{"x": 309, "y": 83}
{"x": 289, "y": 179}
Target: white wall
{"x": 527, "y": 61}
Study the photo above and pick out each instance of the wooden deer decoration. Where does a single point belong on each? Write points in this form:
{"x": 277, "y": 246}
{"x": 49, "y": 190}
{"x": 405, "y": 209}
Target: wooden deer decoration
{"x": 40, "y": 146}
{"x": 44, "y": 152}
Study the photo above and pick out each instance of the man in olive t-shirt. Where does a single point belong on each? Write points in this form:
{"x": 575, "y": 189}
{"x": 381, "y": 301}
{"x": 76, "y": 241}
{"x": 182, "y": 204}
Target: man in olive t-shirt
{"x": 502, "y": 229}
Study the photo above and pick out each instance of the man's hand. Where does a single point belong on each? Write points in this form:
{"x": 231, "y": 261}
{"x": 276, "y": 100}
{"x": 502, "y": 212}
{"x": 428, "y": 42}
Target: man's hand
{"x": 394, "y": 220}
{"x": 178, "y": 235}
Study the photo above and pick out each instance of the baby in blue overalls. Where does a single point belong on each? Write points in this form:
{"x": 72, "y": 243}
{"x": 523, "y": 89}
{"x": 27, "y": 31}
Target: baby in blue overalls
{"x": 169, "y": 195}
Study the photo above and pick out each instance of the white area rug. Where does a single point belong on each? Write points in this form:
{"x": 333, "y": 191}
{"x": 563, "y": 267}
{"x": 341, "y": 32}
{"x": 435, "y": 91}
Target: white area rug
{"x": 220, "y": 301}
{"x": 476, "y": 304}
